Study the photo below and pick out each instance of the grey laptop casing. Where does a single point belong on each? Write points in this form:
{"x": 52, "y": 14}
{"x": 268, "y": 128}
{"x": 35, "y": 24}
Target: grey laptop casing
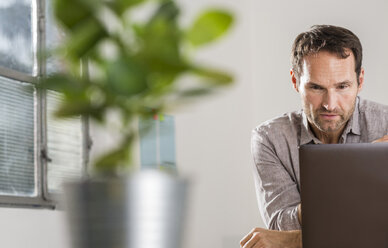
{"x": 344, "y": 193}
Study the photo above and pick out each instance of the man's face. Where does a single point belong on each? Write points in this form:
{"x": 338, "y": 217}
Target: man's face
{"x": 328, "y": 88}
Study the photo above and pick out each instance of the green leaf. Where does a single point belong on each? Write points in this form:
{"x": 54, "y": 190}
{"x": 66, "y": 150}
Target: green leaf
{"x": 120, "y": 6}
{"x": 84, "y": 38}
{"x": 110, "y": 162}
{"x": 209, "y": 26}
{"x": 127, "y": 77}
{"x": 71, "y": 12}
{"x": 76, "y": 101}
{"x": 161, "y": 40}
{"x": 160, "y": 82}
{"x": 62, "y": 83}
{"x": 138, "y": 29}
{"x": 119, "y": 156}
{"x": 212, "y": 76}
{"x": 77, "y": 107}
{"x": 196, "y": 92}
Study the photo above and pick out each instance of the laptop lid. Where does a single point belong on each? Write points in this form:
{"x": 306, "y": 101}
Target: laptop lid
{"x": 344, "y": 193}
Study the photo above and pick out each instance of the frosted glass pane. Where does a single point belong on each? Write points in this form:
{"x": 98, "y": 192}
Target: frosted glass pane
{"x": 54, "y": 36}
{"x": 17, "y": 172}
{"x": 167, "y": 142}
{"x": 16, "y": 46}
{"x": 157, "y": 143}
{"x": 148, "y": 143}
{"x": 65, "y": 143}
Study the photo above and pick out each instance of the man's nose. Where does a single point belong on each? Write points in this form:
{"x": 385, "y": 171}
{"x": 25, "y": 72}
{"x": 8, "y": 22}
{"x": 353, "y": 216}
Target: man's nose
{"x": 329, "y": 102}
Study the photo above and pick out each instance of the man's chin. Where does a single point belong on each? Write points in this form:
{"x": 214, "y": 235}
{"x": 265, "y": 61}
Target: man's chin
{"x": 330, "y": 128}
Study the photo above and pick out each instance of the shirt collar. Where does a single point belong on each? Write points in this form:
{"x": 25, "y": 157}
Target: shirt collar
{"x": 306, "y": 135}
{"x": 353, "y": 126}
{"x": 354, "y": 123}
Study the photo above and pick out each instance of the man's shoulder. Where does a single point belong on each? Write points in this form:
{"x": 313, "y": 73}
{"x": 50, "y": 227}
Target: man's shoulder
{"x": 280, "y": 125}
{"x": 372, "y": 108}
{"x": 373, "y": 119}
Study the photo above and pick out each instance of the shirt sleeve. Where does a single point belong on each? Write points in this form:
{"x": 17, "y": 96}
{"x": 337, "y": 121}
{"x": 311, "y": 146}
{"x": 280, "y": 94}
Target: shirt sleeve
{"x": 277, "y": 193}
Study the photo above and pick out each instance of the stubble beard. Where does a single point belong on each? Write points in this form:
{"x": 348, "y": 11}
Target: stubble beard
{"x": 329, "y": 126}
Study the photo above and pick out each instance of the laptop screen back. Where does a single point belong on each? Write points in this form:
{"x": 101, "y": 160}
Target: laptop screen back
{"x": 344, "y": 192}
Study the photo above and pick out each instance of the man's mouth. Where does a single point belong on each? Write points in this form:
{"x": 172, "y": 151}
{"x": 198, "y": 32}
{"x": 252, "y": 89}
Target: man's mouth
{"x": 329, "y": 116}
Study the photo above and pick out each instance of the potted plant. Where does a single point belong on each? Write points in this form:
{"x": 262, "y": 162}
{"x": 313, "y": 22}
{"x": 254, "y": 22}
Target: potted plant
{"x": 116, "y": 61}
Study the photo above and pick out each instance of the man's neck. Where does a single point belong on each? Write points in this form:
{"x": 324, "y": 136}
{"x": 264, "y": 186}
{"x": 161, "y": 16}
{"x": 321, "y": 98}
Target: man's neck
{"x": 327, "y": 137}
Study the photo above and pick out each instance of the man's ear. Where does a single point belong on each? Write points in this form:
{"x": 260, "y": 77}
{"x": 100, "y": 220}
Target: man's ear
{"x": 294, "y": 80}
{"x": 361, "y": 80}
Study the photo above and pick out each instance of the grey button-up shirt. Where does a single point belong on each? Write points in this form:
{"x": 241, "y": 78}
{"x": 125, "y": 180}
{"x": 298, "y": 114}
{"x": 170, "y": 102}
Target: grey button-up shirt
{"x": 276, "y": 157}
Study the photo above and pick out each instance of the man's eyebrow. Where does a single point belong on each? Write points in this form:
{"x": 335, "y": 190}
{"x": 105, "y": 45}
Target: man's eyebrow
{"x": 344, "y": 82}
{"x": 336, "y": 84}
{"x": 313, "y": 84}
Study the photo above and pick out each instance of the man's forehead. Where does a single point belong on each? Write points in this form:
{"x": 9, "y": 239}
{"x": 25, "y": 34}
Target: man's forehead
{"x": 328, "y": 67}
{"x": 328, "y": 60}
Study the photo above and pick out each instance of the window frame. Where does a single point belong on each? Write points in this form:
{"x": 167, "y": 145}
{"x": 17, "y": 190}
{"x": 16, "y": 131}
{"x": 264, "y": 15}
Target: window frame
{"x": 43, "y": 198}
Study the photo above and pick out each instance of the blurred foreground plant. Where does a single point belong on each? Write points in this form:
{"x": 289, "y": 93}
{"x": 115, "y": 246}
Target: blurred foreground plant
{"x": 116, "y": 63}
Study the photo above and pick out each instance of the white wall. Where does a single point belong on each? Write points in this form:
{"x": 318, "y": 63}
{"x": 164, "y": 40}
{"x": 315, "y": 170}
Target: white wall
{"x": 213, "y": 136}
{"x": 213, "y": 142}
{"x": 31, "y": 228}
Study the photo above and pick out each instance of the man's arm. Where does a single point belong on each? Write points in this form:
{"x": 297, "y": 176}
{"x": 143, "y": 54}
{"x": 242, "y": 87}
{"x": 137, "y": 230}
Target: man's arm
{"x": 383, "y": 139}
{"x": 300, "y": 213}
{"x": 264, "y": 238}
{"x": 277, "y": 192}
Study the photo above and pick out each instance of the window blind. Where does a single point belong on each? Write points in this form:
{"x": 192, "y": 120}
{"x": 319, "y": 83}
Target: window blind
{"x": 17, "y": 172}
{"x": 65, "y": 146}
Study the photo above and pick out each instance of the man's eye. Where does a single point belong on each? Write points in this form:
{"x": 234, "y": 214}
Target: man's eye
{"x": 344, "y": 86}
{"x": 315, "y": 87}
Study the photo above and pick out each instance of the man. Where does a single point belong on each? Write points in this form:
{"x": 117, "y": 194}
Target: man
{"x": 327, "y": 73}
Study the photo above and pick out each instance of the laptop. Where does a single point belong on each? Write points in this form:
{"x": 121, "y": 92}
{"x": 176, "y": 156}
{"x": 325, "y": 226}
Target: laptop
{"x": 344, "y": 193}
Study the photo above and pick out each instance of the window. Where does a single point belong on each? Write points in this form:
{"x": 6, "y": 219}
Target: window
{"x": 37, "y": 151}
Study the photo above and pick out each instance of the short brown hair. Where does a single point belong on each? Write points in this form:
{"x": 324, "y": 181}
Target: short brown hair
{"x": 325, "y": 38}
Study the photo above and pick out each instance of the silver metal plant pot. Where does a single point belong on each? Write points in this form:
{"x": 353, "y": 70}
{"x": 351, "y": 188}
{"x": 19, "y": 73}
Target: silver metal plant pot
{"x": 145, "y": 210}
